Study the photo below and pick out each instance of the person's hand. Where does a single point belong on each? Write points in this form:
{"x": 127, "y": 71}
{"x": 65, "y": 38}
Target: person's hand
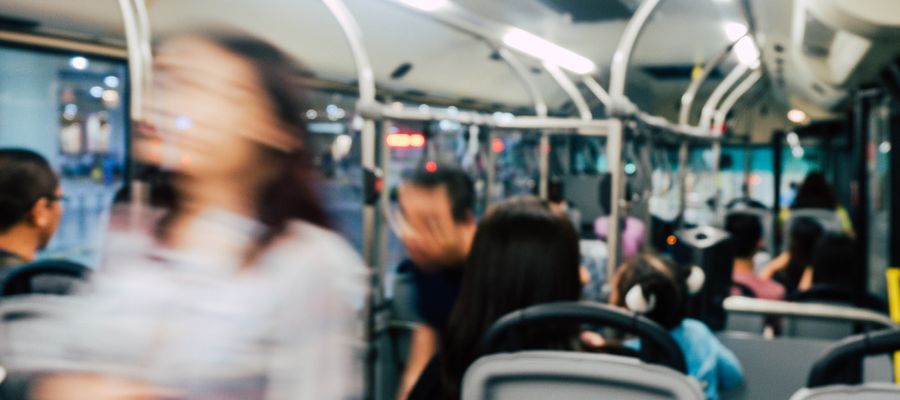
{"x": 592, "y": 340}
{"x": 94, "y": 387}
{"x": 431, "y": 236}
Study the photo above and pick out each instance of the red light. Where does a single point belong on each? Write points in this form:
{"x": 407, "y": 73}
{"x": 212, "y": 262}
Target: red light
{"x": 755, "y": 180}
{"x": 497, "y": 146}
{"x": 431, "y": 167}
{"x": 671, "y": 240}
{"x": 416, "y": 140}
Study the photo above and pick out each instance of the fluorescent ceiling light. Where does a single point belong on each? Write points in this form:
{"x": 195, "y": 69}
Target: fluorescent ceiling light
{"x": 548, "y": 51}
{"x": 425, "y": 5}
{"x": 746, "y": 51}
{"x": 734, "y": 30}
{"x": 797, "y": 116}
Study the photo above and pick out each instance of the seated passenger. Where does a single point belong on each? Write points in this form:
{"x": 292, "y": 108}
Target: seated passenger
{"x": 792, "y": 267}
{"x": 835, "y": 276}
{"x": 30, "y": 206}
{"x": 436, "y": 225}
{"x": 523, "y": 254}
{"x": 746, "y": 238}
{"x": 817, "y": 193}
{"x": 654, "y": 287}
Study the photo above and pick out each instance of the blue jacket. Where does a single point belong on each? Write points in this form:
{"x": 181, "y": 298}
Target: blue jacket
{"x": 707, "y": 359}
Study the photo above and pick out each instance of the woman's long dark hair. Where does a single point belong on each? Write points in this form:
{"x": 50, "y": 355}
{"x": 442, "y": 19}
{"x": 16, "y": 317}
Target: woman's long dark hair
{"x": 522, "y": 254}
{"x": 815, "y": 192}
{"x": 291, "y": 194}
{"x": 805, "y": 233}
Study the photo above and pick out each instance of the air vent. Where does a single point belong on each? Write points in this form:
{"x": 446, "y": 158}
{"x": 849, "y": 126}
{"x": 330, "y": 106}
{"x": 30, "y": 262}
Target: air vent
{"x": 817, "y": 37}
{"x": 401, "y": 71}
{"x": 17, "y": 24}
{"x": 415, "y": 93}
{"x": 591, "y": 10}
{"x": 677, "y": 72}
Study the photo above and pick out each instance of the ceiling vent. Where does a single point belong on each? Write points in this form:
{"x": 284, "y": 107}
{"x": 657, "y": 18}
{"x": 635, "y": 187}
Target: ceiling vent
{"x": 592, "y": 10}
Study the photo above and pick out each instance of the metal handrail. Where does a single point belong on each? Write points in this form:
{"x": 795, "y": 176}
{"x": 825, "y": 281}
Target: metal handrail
{"x": 709, "y": 108}
{"x": 687, "y": 99}
{"x": 622, "y": 56}
{"x": 746, "y": 305}
{"x": 540, "y": 105}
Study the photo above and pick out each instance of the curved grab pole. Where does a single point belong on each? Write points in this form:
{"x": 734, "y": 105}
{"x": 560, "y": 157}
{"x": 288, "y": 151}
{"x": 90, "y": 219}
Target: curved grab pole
{"x": 721, "y": 114}
{"x": 622, "y": 56}
{"x": 687, "y": 99}
{"x": 733, "y": 97}
{"x": 584, "y": 111}
{"x": 597, "y": 90}
{"x": 540, "y": 105}
{"x": 709, "y": 108}
{"x": 137, "y": 38}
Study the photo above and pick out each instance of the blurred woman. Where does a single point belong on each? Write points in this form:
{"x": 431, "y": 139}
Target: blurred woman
{"x": 242, "y": 292}
{"x": 816, "y": 193}
{"x": 835, "y": 275}
{"x": 522, "y": 254}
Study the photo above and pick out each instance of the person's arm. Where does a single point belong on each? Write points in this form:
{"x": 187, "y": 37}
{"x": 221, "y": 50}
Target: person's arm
{"x": 728, "y": 369}
{"x": 778, "y": 264}
{"x": 806, "y": 281}
{"x": 422, "y": 348}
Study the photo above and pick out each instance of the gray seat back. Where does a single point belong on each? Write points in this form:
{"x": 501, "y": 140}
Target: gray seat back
{"x": 773, "y": 368}
{"x": 807, "y": 320}
{"x": 556, "y": 375}
{"x": 869, "y": 391}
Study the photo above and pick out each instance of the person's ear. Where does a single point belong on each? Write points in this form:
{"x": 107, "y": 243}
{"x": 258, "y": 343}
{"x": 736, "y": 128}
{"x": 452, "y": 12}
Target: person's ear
{"x": 39, "y": 215}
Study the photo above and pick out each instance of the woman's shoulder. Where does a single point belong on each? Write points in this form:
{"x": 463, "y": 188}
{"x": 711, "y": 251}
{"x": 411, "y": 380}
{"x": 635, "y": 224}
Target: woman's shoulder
{"x": 315, "y": 247}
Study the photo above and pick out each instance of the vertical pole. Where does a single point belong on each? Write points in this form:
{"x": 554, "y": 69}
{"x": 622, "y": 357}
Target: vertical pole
{"x": 716, "y": 172}
{"x": 777, "y": 161}
{"x": 491, "y": 169}
{"x": 893, "y": 273}
{"x": 683, "y": 153}
{"x": 383, "y": 237}
{"x": 614, "y": 155}
{"x": 544, "y": 165}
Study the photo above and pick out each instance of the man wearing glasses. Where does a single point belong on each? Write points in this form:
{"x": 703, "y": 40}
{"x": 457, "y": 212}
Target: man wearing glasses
{"x": 30, "y": 206}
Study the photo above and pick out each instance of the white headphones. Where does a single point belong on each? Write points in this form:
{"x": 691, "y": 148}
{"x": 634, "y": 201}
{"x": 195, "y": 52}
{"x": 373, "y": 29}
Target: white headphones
{"x": 637, "y": 301}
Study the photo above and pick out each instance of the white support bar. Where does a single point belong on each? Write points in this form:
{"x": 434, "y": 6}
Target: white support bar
{"x": 365, "y": 74}
{"x": 746, "y": 305}
{"x": 597, "y": 90}
{"x": 622, "y": 56}
{"x": 540, "y": 105}
{"x": 571, "y": 90}
{"x": 709, "y": 108}
{"x": 734, "y": 96}
{"x": 687, "y": 99}
{"x": 139, "y": 56}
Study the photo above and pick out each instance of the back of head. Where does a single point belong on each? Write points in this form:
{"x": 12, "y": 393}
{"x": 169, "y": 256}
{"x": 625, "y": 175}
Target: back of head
{"x": 833, "y": 261}
{"x": 815, "y": 192}
{"x": 652, "y": 286}
{"x": 522, "y": 255}
{"x": 25, "y": 177}
{"x": 746, "y": 232}
{"x": 459, "y": 187}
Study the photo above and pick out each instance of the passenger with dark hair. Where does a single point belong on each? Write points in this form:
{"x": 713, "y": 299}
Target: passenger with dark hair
{"x": 792, "y": 268}
{"x": 242, "y": 292}
{"x": 30, "y": 206}
{"x": 522, "y": 254}
{"x": 650, "y": 285}
{"x": 436, "y": 225}
{"x": 816, "y": 193}
{"x": 746, "y": 239}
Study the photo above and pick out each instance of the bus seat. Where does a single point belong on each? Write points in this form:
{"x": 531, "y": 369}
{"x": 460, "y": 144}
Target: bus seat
{"x": 51, "y": 277}
{"x": 873, "y": 391}
{"x": 568, "y": 375}
{"x": 807, "y": 320}
{"x": 828, "y": 219}
{"x": 833, "y": 375}
{"x": 773, "y": 368}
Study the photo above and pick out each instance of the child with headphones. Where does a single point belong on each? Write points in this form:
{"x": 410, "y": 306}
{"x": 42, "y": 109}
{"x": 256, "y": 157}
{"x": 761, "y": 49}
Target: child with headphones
{"x": 652, "y": 286}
